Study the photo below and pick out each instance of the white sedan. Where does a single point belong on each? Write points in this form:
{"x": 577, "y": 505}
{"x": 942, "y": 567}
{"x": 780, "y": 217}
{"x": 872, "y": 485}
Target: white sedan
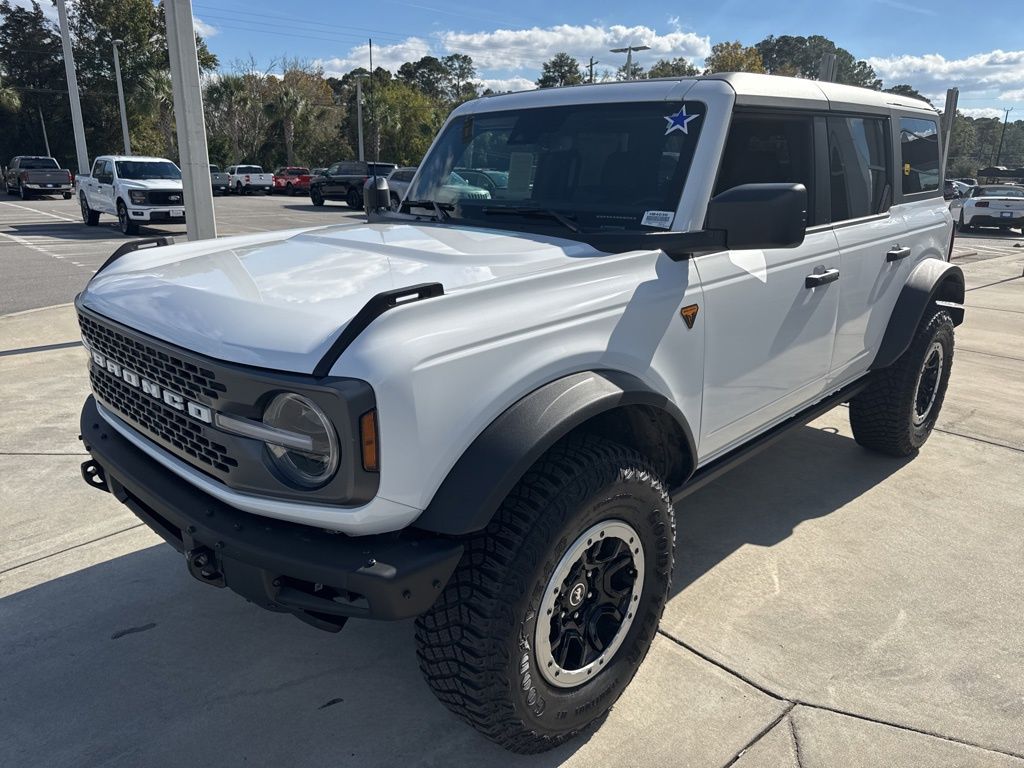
{"x": 991, "y": 206}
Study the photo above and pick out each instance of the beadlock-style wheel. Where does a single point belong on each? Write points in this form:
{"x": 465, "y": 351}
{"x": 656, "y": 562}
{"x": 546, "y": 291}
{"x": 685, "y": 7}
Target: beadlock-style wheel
{"x": 589, "y": 603}
{"x": 928, "y": 383}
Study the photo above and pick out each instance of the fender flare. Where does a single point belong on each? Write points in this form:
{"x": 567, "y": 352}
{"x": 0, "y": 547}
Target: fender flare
{"x": 498, "y": 458}
{"x": 932, "y": 282}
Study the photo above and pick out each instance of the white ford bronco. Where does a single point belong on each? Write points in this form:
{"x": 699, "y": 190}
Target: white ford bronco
{"x": 481, "y": 413}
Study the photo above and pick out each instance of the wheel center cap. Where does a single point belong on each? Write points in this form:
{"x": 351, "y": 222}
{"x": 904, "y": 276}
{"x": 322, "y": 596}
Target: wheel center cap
{"x": 576, "y": 594}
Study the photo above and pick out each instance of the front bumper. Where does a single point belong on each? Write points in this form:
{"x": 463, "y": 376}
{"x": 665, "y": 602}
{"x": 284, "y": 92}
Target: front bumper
{"x": 167, "y": 215}
{"x": 322, "y": 577}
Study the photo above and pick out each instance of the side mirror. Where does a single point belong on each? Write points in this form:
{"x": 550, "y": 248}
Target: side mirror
{"x": 760, "y": 215}
{"x": 377, "y": 198}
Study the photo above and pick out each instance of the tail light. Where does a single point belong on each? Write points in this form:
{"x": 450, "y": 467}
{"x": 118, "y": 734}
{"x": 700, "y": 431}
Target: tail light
{"x": 69, "y": 176}
{"x": 981, "y": 204}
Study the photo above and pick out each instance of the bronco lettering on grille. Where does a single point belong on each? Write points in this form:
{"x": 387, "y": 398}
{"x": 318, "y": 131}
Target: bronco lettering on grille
{"x": 197, "y": 411}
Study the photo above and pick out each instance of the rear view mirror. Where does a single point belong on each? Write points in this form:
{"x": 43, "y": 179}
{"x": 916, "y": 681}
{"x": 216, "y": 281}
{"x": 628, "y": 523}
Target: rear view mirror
{"x": 760, "y": 215}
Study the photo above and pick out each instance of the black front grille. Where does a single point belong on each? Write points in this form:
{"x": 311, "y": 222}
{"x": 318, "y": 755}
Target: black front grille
{"x": 172, "y": 372}
{"x": 165, "y": 197}
{"x": 160, "y": 421}
{"x": 193, "y": 441}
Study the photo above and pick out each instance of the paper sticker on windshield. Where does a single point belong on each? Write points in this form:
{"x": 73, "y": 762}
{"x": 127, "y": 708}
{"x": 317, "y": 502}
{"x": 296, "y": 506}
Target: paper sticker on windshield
{"x": 660, "y": 219}
{"x": 679, "y": 121}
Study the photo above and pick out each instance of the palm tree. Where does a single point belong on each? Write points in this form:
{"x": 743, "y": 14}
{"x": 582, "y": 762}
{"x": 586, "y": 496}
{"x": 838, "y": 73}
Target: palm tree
{"x": 287, "y": 107}
{"x": 227, "y": 99}
{"x": 157, "y": 96}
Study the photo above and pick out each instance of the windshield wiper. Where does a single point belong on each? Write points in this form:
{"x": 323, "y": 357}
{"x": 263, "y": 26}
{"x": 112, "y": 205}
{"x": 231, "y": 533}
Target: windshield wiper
{"x": 440, "y": 209}
{"x": 548, "y": 213}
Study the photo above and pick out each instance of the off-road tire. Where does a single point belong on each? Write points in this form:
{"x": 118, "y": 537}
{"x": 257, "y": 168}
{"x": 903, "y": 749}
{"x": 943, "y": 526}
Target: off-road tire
{"x": 89, "y": 216}
{"x": 883, "y": 415}
{"x": 476, "y": 644}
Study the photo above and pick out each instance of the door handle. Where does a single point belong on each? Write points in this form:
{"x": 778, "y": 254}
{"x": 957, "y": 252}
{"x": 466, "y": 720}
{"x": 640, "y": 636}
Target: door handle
{"x": 897, "y": 253}
{"x": 821, "y": 278}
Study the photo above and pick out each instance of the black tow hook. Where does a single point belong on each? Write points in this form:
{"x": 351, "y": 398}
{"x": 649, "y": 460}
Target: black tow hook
{"x": 93, "y": 474}
{"x": 202, "y": 564}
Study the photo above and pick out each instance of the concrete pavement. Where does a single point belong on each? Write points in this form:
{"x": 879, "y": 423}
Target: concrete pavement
{"x": 831, "y": 607}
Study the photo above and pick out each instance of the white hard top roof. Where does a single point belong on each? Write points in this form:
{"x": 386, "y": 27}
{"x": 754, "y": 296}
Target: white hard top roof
{"x": 141, "y": 158}
{"x": 750, "y": 89}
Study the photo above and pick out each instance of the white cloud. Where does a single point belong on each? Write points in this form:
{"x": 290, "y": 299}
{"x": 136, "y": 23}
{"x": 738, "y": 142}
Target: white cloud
{"x": 390, "y": 57}
{"x": 501, "y": 85}
{"x": 528, "y": 48}
{"x": 977, "y": 112}
{"x": 202, "y": 28}
{"x": 995, "y": 74}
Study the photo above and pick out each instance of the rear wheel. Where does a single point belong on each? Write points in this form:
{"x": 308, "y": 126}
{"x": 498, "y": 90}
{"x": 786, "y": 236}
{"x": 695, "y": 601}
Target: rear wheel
{"x": 67, "y": 195}
{"x": 396, "y": 203}
{"x": 238, "y": 188}
{"x": 124, "y": 221}
{"x": 290, "y": 190}
{"x": 897, "y": 412}
{"x": 89, "y": 216}
{"x": 961, "y": 226}
{"x": 556, "y": 603}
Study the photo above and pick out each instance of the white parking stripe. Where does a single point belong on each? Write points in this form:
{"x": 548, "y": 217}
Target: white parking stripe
{"x": 41, "y": 213}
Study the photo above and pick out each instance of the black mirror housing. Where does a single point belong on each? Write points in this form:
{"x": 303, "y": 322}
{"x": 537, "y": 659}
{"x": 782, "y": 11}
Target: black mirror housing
{"x": 760, "y": 215}
{"x": 377, "y": 196}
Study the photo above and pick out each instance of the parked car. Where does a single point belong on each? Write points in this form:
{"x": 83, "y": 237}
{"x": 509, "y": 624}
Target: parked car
{"x": 483, "y": 413}
{"x": 455, "y": 189}
{"x": 291, "y": 180}
{"x": 495, "y": 182}
{"x": 246, "y": 179}
{"x": 318, "y": 172}
{"x": 990, "y": 205}
{"x": 138, "y": 190}
{"x": 344, "y": 181}
{"x": 398, "y": 183}
{"x": 219, "y": 181}
{"x": 970, "y": 182}
{"x": 29, "y": 175}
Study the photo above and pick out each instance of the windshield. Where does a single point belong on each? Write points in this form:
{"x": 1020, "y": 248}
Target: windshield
{"x": 214, "y": 169}
{"x": 607, "y": 166}
{"x": 38, "y": 164}
{"x": 147, "y": 169}
{"x": 999, "y": 192}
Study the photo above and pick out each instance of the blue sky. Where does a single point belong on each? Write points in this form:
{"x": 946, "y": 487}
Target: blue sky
{"x": 930, "y": 45}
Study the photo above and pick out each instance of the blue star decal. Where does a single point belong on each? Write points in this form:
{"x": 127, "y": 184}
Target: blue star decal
{"x": 678, "y": 121}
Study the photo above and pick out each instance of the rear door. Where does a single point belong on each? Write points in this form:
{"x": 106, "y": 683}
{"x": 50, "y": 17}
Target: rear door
{"x": 769, "y": 314}
{"x": 875, "y": 250}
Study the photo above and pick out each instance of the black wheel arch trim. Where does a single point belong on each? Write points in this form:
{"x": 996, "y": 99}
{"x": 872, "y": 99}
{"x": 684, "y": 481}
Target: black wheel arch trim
{"x": 933, "y": 282}
{"x": 499, "y": 457}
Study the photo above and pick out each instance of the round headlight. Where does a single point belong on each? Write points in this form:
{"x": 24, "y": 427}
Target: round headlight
{"x": 296, "y": 414}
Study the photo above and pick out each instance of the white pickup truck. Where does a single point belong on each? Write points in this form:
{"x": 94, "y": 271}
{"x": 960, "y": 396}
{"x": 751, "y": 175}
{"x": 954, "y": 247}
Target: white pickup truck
{"x": 246, "y": 179}
{"x": 135, "y": 189}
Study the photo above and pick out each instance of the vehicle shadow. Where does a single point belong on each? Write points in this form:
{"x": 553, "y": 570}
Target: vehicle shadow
{"x": 74, "y": 230}
{"x": 131, "y": 662}
{"x": 809, "y": 474}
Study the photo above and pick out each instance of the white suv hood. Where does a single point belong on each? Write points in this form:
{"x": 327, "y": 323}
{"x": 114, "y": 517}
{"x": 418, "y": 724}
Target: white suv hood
{"x": 279, "y": 300}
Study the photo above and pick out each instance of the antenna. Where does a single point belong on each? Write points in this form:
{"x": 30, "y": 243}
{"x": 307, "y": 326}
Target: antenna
{"x": 373, "y": 122}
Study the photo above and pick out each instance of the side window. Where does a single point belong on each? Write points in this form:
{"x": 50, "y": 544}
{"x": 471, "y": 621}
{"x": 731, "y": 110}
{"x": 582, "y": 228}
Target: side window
{"x": 859, "y": 178}
{"x": 108, "y": 171}
{"x": 765, "y": 149}
{"x": 97, "y": 168}
{"x": 334, "y": 170}
{"x": 919, "y": 144}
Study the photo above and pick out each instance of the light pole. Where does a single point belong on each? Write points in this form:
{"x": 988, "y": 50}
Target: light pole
{"x": 628, "y": 50}
{"x": 77, "y": 125}
{"x": 359, "y": 113}
{"x": 120, "y": 99}
{"x": 999, "y": 152}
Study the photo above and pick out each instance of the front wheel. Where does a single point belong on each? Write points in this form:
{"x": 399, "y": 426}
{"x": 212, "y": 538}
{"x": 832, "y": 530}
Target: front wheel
{"x": 124, "y": 221}
{"x": 23, "y": 193}
{"x": 353, "y": 198}
{"x": 898, "y": 410}
{"x": 316, "y": 196}
{"x": 555, "y": 605}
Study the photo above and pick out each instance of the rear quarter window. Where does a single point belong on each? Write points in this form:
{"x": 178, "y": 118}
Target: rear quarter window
{"x": 919, "y": 148}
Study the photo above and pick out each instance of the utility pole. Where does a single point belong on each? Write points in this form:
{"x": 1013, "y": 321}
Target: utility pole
{"x": 359, "y": 114}
{"x": 947, "y": 120}
{"x": 591, "y": 66}
{"x": 42, "y": 122}
{"x": 77, "y": 124}
{"x": 628, "y": 50}
{"x": 190, "y": 121}
{"x": 120, "y": 99}
{"x": 828, "y": 68}
{"x": 1002, "y": 135}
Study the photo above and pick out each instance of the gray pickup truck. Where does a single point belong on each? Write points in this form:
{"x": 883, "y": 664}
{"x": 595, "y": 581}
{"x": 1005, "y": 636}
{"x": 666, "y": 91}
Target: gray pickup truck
{"x": 219, "y": 181}
{"x": 30, "y": 175}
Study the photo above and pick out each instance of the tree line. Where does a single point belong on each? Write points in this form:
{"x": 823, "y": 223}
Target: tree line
{"x": 291, "y": 112}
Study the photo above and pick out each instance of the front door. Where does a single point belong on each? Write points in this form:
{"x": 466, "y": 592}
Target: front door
{"x": 770, "y": 315}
